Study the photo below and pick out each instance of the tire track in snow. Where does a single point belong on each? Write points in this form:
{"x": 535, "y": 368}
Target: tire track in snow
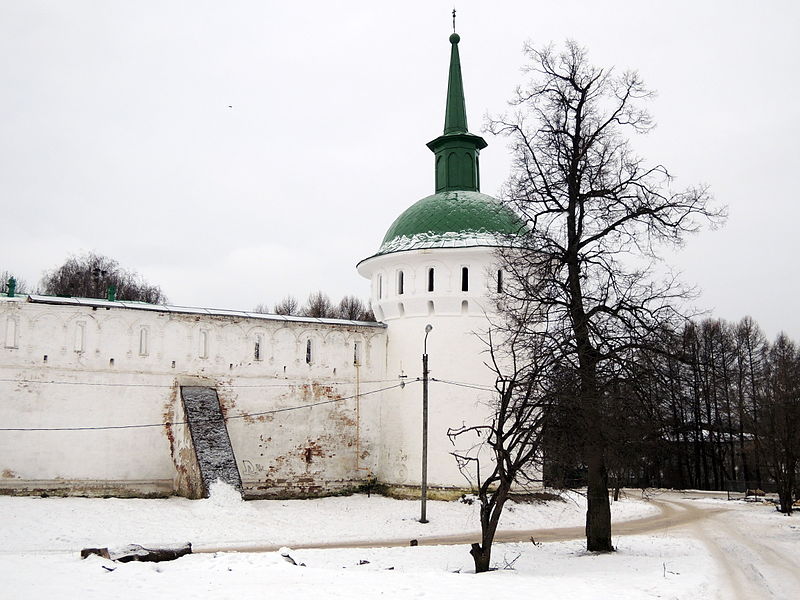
{"x": 750, "y": 570}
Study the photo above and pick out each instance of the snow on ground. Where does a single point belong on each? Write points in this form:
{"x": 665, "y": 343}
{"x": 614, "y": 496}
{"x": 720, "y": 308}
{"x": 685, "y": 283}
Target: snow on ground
{"x": 43, "y": 524}
{"x": 555, "y": 570}
{"x": 40, "y": 538}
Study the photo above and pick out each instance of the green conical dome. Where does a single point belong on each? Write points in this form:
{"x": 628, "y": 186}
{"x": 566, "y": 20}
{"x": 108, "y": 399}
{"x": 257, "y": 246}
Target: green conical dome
{"x": 455, "y": 219}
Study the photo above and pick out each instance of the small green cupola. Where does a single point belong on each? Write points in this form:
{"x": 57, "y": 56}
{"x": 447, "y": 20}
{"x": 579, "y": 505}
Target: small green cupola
{"x": 457, "y": 150}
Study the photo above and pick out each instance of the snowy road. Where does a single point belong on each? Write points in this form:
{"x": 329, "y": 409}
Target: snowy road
{"x": 749, "y": 567}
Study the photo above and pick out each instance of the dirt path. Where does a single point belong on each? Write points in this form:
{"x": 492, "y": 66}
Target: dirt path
{"x": 670, "y": 516}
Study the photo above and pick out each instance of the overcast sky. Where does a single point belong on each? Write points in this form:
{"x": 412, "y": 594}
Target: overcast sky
{"x": 233, "y": 152}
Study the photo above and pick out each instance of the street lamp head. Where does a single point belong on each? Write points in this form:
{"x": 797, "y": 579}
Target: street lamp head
{"x": 428, "y": 328}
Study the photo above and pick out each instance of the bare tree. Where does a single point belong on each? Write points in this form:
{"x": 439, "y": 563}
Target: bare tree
{"x": 596, "y": 216}
{"x": 287, "y": 306}
{"x": 319, "y": 305}
{"x": 261, "y": 309}
{"x": 513, "y": 437}
{"x": 91, "y": 275}
{"x": 779, "y": 425}
{"x": 353, "y": 308}
{"x": 751, "y": 347}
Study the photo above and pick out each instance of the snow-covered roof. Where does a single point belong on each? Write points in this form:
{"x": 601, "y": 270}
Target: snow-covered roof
{"x": 168, "y": 308}
{"x": 450, "y": 239}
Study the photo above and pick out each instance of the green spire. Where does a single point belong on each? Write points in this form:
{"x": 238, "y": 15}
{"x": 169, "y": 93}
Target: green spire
{"x": 457, "y": 150}
{"x": 455, "y": 114}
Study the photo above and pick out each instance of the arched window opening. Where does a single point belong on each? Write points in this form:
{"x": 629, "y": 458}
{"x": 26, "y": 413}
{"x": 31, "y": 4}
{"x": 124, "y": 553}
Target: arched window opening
{"x": 143, "y": 342}
{"x": 500, "y": 281}
{"x": 257, "y": 348}
{"x": 357, "y": 353}
{"x": 430, "y": 307}
{"x": 80, "y": 336}
{"x": 452, "y": 169}
{"x": 380, "y": 286}
{"x": 400, "y": 283}
{"x": 203, "y": 344}
{"x": 430, "y": 279}
{"x": 464, "y": 279}
{"x": 11, "y": 332}
{"x": 464, "y": 307}
{"x": 309, "y": 355}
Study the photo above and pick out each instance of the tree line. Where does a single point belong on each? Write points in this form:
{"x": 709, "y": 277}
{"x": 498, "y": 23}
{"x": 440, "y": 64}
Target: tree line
{"x": 712, "y": 405}
{"x": 319, "y": 305}
{"x": 93, "y": 275}
{"x": 90, "y": 275}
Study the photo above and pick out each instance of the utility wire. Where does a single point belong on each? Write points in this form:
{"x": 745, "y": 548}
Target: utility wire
{"x": 170, "y": 423}
{"x": 160, "y": 385}
{"x": 473, "y": 386}
{"x": 230, "y": 418}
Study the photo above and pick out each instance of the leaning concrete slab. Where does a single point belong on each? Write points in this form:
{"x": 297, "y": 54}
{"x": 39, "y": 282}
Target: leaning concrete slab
{"x": 212, "y": 445}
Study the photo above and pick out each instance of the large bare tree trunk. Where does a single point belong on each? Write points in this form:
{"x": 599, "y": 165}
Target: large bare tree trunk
{"x": 598, "y": 510}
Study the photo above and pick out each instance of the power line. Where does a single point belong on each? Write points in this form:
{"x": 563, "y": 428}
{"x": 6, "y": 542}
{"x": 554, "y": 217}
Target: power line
{"x": 229, "y": 418}
{"x": 160, "y": 385}
{"x": 473, "y": 386}
{"x": 170, "y": 423}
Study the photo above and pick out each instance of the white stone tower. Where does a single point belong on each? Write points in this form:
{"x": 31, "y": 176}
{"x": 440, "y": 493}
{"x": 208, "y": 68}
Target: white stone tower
{"x": 436, "y": 266}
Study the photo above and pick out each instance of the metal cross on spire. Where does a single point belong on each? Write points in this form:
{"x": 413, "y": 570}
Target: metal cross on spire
{"x": 454, "y": 19}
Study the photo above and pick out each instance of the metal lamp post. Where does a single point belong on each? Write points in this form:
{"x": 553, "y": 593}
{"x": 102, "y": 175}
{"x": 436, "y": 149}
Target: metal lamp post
{"x": 424, "y": 487}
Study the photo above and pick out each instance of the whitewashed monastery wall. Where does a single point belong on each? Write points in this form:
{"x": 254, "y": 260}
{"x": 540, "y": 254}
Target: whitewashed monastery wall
{"x": 92, "y": 363}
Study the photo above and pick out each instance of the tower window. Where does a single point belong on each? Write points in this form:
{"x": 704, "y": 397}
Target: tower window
{"x": 400, "y": 283}
{"x": 380, "y": 286}
{"x": 430, "y": 279}
{"x": 500, "y": 281}
{"x": 464, "y": 279}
